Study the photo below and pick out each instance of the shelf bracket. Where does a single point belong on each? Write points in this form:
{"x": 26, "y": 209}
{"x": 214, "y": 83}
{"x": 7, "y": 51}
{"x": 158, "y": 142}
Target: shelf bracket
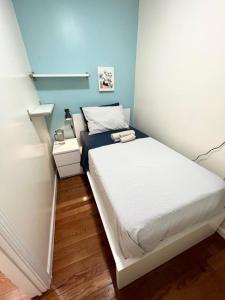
{"x": 31, "y": 75}
{"x": 29, "y": 115}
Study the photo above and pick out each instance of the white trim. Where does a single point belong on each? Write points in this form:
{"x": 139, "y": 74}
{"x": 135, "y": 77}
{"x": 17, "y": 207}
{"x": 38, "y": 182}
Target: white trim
{"x": 52, "y": 229}
{"x": 128, "y": 270}
{"x": 221, "y": 232}
{"x": 11, "y": 244}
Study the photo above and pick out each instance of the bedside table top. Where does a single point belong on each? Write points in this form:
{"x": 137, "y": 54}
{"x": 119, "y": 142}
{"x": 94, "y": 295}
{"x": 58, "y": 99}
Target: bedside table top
{"x": 69, "y": 146}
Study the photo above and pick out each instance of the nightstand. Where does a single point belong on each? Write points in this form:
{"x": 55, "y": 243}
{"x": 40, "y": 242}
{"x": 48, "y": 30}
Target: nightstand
{"x": 67, "y": 158}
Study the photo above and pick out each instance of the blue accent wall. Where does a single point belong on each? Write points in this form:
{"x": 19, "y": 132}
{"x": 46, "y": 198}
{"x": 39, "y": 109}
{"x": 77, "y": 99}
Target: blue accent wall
{"x": 77, "y": 36}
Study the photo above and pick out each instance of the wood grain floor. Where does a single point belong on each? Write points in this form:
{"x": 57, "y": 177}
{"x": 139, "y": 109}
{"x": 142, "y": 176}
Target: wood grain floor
{"x": 8, "y": 291}
{"x": 84, "y": 268}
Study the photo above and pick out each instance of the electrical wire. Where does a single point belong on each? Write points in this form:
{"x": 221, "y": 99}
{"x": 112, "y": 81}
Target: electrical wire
{"x": 221, "y": 145}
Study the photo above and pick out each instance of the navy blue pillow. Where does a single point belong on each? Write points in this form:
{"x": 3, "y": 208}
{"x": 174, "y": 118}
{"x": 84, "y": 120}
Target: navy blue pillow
{"x": 81, "y": 109}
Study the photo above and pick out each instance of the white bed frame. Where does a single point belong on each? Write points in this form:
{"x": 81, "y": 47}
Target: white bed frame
{"x": 128, "y": 270}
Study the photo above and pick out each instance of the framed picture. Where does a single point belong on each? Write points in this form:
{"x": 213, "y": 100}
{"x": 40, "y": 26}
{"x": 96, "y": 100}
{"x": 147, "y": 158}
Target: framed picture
{"x": 106, "y": 79}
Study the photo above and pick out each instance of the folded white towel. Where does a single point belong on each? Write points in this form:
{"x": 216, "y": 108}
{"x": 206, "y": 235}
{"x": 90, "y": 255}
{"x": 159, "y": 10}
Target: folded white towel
{"x": 116, "y": 136}
{"x": 127, "y": 138}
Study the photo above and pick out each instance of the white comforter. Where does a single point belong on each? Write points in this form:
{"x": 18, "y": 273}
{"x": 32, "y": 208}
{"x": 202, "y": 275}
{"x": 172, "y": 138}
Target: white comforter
{"x": 152, "y": 192}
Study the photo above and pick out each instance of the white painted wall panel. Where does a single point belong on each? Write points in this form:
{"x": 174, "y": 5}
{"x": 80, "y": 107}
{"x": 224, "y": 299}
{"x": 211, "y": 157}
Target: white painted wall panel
{"x": 180, "y": 76}
{"x": 26, "y": 173}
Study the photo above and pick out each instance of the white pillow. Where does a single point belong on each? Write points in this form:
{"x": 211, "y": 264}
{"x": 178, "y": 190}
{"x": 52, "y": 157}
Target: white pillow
{"x": 105, "y": 118}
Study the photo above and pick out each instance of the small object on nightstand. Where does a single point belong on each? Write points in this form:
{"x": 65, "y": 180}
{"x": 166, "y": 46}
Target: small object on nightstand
{"x": 59, "y": 136}
{"x": 67, "y": 158}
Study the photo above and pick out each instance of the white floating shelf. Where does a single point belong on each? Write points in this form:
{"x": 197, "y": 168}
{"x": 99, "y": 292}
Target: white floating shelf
{"x": 83, "y": 75}
{"x": 41, "y": 110}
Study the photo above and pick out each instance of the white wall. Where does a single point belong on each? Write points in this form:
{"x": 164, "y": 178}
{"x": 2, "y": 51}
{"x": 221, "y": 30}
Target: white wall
{"x": 26, "y": 173}
{"x": 180, "y": 76}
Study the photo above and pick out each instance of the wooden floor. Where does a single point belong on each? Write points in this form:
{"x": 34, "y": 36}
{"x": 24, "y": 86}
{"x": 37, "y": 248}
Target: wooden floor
{"x": 84, "y": 267}
{"x": 8, "y": 291}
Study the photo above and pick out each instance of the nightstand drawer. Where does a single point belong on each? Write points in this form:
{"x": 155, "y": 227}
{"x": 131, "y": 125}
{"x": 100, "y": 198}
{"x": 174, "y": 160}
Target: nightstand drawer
{"x": 69, "y": 170}
{"x": 67, "y": 158}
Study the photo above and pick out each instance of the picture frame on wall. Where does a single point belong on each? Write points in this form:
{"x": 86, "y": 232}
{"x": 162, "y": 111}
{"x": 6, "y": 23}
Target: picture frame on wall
{"x": 106, "y": 80}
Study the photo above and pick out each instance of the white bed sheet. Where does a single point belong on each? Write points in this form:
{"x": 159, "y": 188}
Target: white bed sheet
{"x": 152, "y": 192}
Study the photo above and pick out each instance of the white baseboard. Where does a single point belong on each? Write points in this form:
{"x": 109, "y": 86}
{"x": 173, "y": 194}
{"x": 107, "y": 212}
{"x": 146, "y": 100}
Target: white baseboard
{"x": 52, "y": 229}
{"x": 221, "y": 232}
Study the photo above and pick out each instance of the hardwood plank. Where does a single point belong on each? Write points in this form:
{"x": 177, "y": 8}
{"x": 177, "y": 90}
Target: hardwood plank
{"x": 86, "y": 268}
{"x": 70, "y": 291}
{"x": 106, "y": 293}
{"x": 72, "y": 203}
{"x": 8, "y": 291}
{"x": 78, "y": 251}
{"x": 6, "y": 285}
{"x": 78, "y": 229}
{"x": 79, "y": 213}
{"x": 83, "y": 265}
{"x": 217, "y": 261}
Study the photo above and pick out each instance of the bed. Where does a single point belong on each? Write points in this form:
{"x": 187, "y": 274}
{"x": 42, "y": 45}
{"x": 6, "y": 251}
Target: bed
{"x": 154, "y": 203}
{"x": 89, "y": 142}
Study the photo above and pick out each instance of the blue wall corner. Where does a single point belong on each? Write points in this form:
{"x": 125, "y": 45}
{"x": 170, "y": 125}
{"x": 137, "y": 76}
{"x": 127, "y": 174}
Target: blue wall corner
{"x": 76, "y": 36}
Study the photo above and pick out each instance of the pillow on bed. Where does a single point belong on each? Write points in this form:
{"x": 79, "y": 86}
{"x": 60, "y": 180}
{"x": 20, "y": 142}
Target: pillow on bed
{"x": 102, "y": 119}
{"x": 81, "y": 109}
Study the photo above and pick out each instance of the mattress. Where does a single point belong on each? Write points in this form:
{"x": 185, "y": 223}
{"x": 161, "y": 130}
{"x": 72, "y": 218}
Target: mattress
{"x": 152, "y": 193}
{"x": 98, "y": 140}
